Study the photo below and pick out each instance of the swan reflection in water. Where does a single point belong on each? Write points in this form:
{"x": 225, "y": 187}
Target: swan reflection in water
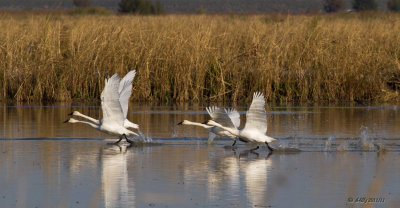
{"x": 118, "y": 189}
{"x": 241, "y": 176}
{"x": 255, "y": 173}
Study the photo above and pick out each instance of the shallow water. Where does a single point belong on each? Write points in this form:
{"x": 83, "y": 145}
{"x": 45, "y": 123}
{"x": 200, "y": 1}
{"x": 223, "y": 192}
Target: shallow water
{"x": 346, "y": 153}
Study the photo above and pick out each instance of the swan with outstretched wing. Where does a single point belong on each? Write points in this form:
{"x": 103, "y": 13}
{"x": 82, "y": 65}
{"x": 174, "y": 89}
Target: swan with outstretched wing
{"x": 113, "y": 121}
{"x": 231, "y": 120}
{"x": 124, "y": 91}
{"x": 255, "y": 128}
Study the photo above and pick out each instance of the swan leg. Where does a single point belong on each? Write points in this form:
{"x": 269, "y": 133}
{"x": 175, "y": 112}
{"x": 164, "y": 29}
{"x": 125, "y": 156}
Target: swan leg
{"x": 119, "y": 147}
{"x": 128, "y": 140}
{"x": 234, "y": 143}
{"x": 269, "y": 154}
{"x": 254, "y": 148}
{"x": 120, "y": 138}
{"x": 269, "y": 148}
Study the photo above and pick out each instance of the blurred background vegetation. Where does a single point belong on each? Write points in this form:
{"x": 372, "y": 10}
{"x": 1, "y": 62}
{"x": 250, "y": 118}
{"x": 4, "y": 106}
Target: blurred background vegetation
{"x": 180, "y": 58}
{"x": 206, "y": 6}
{"x": 332, "y": 51}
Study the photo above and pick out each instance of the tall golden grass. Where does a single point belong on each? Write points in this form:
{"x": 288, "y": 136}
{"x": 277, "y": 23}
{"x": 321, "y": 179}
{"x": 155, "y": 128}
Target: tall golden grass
{"x": 202, "y": 57}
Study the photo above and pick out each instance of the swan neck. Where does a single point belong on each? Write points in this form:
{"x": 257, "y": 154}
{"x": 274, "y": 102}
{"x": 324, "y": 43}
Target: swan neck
{"x": 87, "y": 117}
{"x": 197, "y": 124}
{"x": 230, "y": 130}
{"x": 96, "y": 126}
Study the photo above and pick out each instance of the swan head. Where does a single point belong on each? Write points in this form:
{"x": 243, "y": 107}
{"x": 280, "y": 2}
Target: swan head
{"x": 74, "y": 113}
{"x": 184, "y": 122}
{"x": 71, "y": 120}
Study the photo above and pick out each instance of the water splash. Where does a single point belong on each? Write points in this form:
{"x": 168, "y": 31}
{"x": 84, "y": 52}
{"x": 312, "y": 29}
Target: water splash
{"x": 344, "y": 146}
{"x": 174, "y": 134}
{"x": 365, "y": 142}
{"x": 287, "y": 146}
{"x": 296, "y": 142}
{"x": 143, "y": 137}
{"x": 283, "y": 144}
{"x": 330, "y": 143}
{"x": 380, "y": 147}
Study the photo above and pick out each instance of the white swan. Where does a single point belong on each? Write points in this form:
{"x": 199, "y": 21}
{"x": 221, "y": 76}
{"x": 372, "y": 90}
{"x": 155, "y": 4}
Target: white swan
{"x": 256, "y": 124}
{"x": 228, "y": 117}
{"x": 124, "y": 90}
{"x": 113, "y": 116}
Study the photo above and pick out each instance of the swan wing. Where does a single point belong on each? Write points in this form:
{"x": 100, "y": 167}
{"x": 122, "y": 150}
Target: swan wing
{"x": 256, "y": 116}
{"x": 112, "y": 111}
{"x": 125, "y": 89}
{"x": 212, "y": 111}
{"x": 220, "y": 116}
{"x": 234, "y": 116}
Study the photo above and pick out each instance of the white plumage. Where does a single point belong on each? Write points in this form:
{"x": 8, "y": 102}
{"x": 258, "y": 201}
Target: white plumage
{"x": 114, "y": 104}
{"x": 256, "y": 123}
{"x": 124, "y": 91}
{"x": 231, "y": 119}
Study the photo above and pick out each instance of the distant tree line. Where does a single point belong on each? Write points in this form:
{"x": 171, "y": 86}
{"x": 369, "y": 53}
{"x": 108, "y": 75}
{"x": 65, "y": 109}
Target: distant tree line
{"x": 359, "y": 5}
{"x": 130, "y": 6}
{"x": 140, "y": 7}
{"x": 333, "y": 5}
{"x": 81, "y": 3}
{"x": 394, "y": 5}
{"x": 148, "y": 7}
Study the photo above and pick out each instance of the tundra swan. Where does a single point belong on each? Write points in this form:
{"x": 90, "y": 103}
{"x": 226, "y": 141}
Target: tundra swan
{"x": 124, "y": 90}
{"x": 113, "y": 116}
{"x": 229, "y": 117}
{"x": 256, "y": 124}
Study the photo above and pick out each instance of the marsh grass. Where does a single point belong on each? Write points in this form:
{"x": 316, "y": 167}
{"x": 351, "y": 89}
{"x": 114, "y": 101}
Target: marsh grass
{"x": 202, "y": 57}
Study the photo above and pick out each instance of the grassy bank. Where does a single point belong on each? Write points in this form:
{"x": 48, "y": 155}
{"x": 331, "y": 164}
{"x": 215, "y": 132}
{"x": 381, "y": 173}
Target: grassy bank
{"x": 202, "y": 58}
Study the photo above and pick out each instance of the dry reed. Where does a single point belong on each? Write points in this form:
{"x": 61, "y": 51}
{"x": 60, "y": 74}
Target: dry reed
{"x": 202, "y": 57}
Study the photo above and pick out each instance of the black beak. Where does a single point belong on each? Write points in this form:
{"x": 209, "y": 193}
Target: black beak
{"x": 70, "y": 114}
{"x": 66, "y": 121}
{"x": 180, "y": 123}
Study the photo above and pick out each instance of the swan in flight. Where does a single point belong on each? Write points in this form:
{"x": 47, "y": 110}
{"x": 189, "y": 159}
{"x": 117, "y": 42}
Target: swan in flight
{"x": 256, "y": 124}
{"x": 229, "y": 117}
{"x": 124, "y": 90}
{"x": 114, "y": 115}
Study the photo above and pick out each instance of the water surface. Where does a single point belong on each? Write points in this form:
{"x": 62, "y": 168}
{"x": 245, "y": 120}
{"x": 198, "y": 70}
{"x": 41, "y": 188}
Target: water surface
{"x": 347, "y": 153}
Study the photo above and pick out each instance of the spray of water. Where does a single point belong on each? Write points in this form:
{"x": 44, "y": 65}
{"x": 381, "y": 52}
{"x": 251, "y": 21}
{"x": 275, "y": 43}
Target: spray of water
{"x": 288, "y": 145}
{"x": 344, "y": 146}
{"x": 296, "y": 142}
{"x": 143, "y": 137}
{"x": 330, "y": 143}
{"x": 283, "y": 144}
{"x": 365, "y": 142}
{"x": 174, "y": 133}
{"x": 379, "y": 142}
